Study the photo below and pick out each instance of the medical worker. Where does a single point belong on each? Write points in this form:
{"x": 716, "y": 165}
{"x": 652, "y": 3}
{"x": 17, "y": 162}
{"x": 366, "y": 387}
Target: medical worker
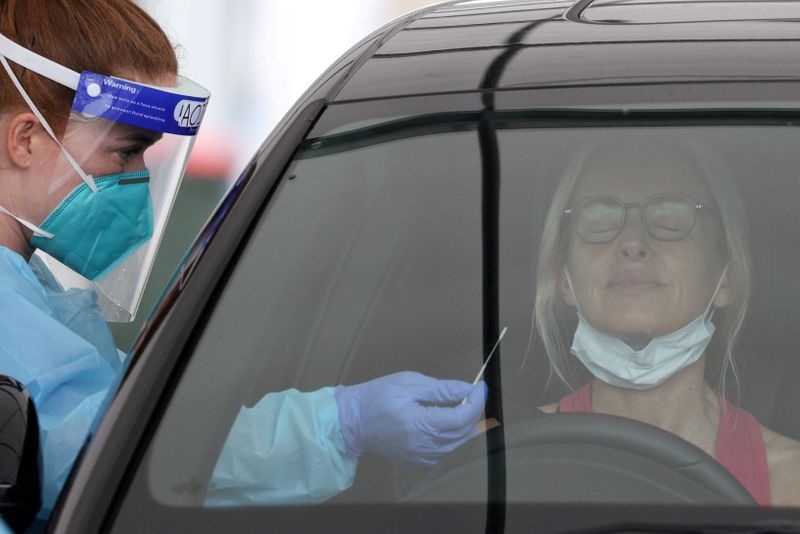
{"x": 87, "y": 88}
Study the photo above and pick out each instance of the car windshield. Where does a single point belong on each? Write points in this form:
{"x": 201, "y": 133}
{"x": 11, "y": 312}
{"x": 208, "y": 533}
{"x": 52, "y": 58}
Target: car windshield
{"x": 401, "y": 241}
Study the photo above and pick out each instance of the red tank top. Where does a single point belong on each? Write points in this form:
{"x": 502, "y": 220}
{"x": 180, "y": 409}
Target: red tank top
{"x": 740, "y": 445}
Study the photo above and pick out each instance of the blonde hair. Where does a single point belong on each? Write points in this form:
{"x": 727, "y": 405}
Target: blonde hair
{"x": 550, "y": 311}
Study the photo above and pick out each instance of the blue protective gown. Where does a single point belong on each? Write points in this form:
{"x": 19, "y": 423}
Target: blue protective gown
{"x": 286, "y": 449}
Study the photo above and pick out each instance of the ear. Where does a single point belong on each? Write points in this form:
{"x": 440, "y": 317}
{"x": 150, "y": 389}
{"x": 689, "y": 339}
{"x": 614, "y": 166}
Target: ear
{"x": 724, "y": 295}
{"x": 563, "y": 287}
{"x": 21, "y": 139}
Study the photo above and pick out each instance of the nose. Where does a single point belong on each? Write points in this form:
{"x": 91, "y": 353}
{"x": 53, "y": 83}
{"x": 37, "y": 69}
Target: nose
{"x": 632, "y": 242}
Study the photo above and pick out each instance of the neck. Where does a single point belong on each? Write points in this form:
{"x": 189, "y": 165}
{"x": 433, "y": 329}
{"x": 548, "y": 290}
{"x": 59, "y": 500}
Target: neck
{"x": 13, "y": 237}
{"x": 679, "y": 405}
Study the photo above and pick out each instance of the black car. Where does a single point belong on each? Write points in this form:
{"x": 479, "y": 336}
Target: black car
{"x": 392, "y": 222}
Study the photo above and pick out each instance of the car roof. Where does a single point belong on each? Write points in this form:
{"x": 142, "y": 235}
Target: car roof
{"x": 520, "y": 44}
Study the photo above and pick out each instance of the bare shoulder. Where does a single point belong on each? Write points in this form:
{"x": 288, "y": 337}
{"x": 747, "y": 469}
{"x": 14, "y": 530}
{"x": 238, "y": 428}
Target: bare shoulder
{"x": 549, "y": 408}
{"x": 783, "y": 461}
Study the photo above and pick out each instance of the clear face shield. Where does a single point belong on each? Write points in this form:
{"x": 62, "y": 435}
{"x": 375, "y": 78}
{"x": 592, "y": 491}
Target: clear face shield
{"x": 99, "y": 206}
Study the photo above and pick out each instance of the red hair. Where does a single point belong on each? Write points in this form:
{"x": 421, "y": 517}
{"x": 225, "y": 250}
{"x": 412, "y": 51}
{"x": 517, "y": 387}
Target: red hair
{"x": 111, "y": 37}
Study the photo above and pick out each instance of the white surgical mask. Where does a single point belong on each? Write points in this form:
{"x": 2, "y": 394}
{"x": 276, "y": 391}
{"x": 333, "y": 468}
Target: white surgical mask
{"x": 613, "y": 361}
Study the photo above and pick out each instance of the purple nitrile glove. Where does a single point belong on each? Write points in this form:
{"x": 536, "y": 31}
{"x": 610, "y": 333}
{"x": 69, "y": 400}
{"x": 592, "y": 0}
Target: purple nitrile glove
{"x": 394, "y": 416}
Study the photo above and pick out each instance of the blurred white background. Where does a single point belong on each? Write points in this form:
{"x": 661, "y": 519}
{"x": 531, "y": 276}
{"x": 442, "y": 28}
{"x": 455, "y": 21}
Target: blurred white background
{"x": 258, "y": 56}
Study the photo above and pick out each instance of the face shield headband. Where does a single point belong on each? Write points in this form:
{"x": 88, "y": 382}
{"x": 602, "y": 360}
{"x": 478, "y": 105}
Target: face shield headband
{"x": 170, "y": 115}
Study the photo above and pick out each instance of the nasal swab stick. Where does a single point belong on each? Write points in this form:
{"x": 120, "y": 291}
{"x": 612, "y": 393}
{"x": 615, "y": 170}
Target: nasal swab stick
{"x": 489, "y": 357}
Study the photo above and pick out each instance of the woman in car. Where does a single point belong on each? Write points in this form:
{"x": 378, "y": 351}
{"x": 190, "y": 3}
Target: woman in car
{"x": 73, "y": 184}
{"x": 646, "y": 244}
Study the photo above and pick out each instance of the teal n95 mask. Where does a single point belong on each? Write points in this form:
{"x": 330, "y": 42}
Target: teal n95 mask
{"x": 103, "y": 232}
{"x": 614, "y": 362}
{"x": 94, "y": 231}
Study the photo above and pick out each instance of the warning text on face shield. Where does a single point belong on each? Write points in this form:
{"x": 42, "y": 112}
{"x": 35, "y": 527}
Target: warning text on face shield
{"x": 139, "y": 105}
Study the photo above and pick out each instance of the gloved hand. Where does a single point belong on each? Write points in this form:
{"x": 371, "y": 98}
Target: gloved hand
{"x": 385, "y": 416}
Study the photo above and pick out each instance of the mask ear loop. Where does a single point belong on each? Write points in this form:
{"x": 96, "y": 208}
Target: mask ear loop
{"x": 572, "y": 290}
{"x": 87, "y": 178}
{"x": 710, "y": 308}
{"x": 30, "y": 226}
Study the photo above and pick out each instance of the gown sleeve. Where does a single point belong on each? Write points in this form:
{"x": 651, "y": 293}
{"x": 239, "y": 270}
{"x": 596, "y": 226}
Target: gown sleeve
{"x": 287, "y": 449}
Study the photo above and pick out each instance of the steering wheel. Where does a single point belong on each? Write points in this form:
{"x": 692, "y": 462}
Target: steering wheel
{"x": 586, "y": 458}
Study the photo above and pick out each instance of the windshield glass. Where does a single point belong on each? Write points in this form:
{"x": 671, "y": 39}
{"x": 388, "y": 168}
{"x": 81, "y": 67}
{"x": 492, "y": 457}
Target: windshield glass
{"x": 410, "y": 244}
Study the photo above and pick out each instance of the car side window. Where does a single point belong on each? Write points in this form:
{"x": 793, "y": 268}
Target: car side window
{"x": 368, "y": 261}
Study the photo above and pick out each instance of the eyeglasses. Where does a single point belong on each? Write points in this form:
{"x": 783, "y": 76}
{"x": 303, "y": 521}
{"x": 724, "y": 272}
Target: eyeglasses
{"x": 666, "y": 217}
